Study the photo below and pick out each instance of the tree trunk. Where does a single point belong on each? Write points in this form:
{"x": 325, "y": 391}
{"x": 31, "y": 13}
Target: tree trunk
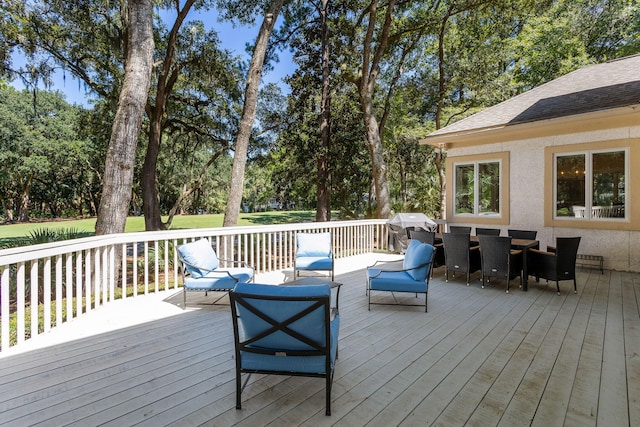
{"x": 323, "y": 207}
{"x": 374, "y": 143}
{"x": 166, "y": 80}
{"x": 370, "y": 70}
{"x": 150, "y": 200}
{"x": 234, "y": 200}
{"x": 23, "y": 208}
{"x": 120, "y": 160}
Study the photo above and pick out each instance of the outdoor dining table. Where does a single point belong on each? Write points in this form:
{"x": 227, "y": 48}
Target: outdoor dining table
{"x": 519, "y": 244}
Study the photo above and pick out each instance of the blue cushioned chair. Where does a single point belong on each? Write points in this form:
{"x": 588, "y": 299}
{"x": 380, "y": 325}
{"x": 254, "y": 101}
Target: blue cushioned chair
{"x": 314, "y": 252}
{"x": 201, "y": 270}
{"x": 284, "y": 330}
{"x": 414, "y": 276}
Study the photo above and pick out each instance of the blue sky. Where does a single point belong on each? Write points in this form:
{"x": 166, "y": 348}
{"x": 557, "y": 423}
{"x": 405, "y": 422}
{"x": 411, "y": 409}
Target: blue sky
{"x": 232, "y": 38}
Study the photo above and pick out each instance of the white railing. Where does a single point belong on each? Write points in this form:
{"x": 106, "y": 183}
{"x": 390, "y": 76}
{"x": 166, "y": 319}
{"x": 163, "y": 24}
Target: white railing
{"x": 43, "y": 286}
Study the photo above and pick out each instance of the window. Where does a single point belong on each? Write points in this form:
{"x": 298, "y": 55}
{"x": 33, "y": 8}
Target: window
{"x": 591, "y": 185}
{"x": 477, "y": 188}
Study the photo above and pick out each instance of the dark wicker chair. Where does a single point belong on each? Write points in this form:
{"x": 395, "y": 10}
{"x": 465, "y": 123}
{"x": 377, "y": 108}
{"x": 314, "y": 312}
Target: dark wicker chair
{"x": 429, "y": 237}
{"x": 459, "y": 229}
{"x": 523, "y": 234}
{"x": 558, "y": 265}
{"x": 499, "y": 260}
{"x": 459, "y": 256}
{"x": 487, "y": 231}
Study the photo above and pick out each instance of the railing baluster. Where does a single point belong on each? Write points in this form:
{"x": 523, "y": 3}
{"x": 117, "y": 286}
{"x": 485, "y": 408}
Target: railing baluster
{"x": 20, "y": 301}
{"x": 69, "y": 287}
{"x": 46, "y": 295}
{"x": 34, "y": 297}
{"x": 5, "y": 321}
{"x": 59, "y": 284}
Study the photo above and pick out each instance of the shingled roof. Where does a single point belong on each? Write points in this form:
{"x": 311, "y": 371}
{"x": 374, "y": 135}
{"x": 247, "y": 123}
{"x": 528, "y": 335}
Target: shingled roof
{"x": 598, "y": 87}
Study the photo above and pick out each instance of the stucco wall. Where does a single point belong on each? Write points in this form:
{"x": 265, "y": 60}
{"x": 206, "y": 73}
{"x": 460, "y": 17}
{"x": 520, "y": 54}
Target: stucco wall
{"x": 620, "y": 248}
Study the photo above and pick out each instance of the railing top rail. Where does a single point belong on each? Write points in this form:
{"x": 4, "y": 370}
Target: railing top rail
{"x": 26, "y": 253}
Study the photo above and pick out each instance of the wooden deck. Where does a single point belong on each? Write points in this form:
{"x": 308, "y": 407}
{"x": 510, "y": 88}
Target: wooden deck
{"x": 479, "y": 357}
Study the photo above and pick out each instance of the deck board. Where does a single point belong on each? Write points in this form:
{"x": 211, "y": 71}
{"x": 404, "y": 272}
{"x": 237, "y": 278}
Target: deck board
{"x": 478, "y": 357}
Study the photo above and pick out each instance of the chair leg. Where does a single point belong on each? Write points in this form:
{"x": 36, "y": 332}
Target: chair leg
{"x": 558, "y": 286}
{"x": 238, "y": 389}
{"x": 184, "y": 298}
{"x": 575, "y": 287}
{"x": 328, "y": 393}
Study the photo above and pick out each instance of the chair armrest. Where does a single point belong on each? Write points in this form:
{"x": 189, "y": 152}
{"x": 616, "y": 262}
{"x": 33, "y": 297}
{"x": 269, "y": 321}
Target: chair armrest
{"x": 539, "y": 252}
{"x": 516, "y": 251}
{"x": 240, "y": 263}
{"x": 401, "y": 270}
{"x": 221, "y": 272}
{"x": 381, "y": 261}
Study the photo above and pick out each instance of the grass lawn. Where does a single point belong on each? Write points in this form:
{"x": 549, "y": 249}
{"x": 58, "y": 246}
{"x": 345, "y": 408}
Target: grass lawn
{"x": 179, "y": 222}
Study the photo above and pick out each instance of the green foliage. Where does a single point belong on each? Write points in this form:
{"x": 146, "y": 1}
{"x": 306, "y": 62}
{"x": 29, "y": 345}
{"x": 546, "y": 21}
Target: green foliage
{"x": 44, "y": 162}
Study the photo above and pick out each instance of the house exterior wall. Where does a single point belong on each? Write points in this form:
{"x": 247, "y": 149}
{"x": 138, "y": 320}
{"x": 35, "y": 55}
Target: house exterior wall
{"x": 530, "y": 200}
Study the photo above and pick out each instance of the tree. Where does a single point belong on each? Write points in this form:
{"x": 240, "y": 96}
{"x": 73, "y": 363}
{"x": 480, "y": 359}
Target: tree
{"x": 118, "y": 179}
{"x": 248, "y": 114}
{"x": 196, "y": 87}
{"x": 41, "y": 154}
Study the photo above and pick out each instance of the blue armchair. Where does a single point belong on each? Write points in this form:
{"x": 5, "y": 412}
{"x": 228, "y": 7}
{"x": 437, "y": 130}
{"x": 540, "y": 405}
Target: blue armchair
{"x": 284, "y": 330}
{"x": 201, "y": 270}
{"x": 413, "y": 278}
{"x": 314, "y": 252}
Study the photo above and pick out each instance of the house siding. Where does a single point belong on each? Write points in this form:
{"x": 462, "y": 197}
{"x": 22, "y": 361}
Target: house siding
{"x": 527, "y": 174}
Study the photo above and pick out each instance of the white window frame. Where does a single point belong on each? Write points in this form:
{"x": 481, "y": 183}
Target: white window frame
{"x": 476, "y": 188}
{"x": 589, "y": 184}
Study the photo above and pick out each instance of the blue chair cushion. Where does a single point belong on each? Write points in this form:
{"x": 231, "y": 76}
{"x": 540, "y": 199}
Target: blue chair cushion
{"x": 314, "y": 263}
{"x": 219, "y": 279}
{"x": 418, "y": 254}
{"x": 199, "y": 255}
{"x": 313, "y": 245}
{"x": 394, "y": 281}
{"x": 312, "y": 326}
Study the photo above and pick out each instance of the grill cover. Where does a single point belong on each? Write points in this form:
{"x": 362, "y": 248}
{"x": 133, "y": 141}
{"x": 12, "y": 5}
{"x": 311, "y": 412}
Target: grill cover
{"x": 398, "y": 224}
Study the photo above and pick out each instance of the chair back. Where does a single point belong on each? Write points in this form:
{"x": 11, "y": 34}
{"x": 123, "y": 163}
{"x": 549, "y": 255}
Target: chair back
{"x": 423, "y": 236}
{"x": 198, "y": 258}
{"x": 523, "y": 234}
{"x": 459, "y": 229}
{"x": 494, "y": 255}
{"x": 284, "y": 330}
{"x": 566, "y": 253}
{"x": 314, "y": 244}
{"x": 456, "y": 250}
{"x": 487, "y": 231}
{"x": 417, "y": 260}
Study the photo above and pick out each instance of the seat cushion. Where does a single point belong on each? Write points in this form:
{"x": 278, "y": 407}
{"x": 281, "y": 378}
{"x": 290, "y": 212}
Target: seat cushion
{"x": 394, "y": 281}
{"x": 199, "y": 255}
{"x": 314, "y": 263}
{"x": 313, "y": 245}
{"x": 219, "y": 279}
{"x": 418, "y": 254}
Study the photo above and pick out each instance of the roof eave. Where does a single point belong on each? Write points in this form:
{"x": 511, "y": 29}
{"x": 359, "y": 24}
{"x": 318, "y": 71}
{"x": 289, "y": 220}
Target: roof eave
{"x": 596, "y": 120}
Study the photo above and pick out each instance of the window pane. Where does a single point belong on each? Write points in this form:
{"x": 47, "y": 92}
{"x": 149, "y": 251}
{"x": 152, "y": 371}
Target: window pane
{"x": 464, "y": 189}
{"x": 570, "y": 185}
{"x": 489, "y": 177}
{"x": 608, "y": 185}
